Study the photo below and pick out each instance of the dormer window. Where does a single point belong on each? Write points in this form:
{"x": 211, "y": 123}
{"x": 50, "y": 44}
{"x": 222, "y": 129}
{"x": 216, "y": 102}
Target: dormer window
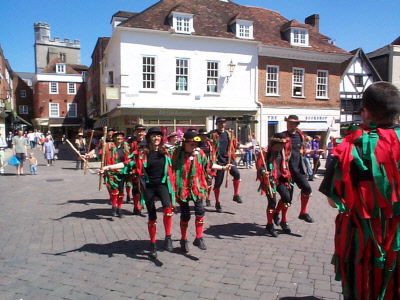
{"x": 243, "y": 29}
{"x": 182, "y": 23}
{"x": 299, "y": 37}
{"x": 60, "y": 68}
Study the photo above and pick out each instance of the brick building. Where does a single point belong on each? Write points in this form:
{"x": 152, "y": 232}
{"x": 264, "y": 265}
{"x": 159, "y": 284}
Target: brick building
{"x": 60, "y": 98}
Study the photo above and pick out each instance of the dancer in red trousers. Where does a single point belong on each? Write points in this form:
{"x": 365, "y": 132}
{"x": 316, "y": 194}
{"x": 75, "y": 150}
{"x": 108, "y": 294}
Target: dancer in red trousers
{"x": 273, "y": 173}
{"x": 154, "y": 167}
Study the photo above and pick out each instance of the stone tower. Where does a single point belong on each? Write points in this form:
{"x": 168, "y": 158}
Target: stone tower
{"x": 47, "y": 49}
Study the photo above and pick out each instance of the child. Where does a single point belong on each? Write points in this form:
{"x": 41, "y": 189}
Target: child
{"x": 32, "y": 164}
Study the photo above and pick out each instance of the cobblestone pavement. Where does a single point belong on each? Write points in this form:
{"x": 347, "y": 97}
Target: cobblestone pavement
{"x": 59, "y": 241}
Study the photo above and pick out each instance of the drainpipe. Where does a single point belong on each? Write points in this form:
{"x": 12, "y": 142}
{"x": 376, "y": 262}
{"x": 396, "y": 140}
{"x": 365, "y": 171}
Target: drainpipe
{"x": 259, "y": 104}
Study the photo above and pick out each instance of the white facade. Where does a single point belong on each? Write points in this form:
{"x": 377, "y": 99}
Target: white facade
{"x": 359, "y": 75}
{"x": 235, "y": 94}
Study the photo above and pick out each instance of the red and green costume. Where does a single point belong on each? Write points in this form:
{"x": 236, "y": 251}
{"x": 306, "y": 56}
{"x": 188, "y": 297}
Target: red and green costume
{"x": 115, "y": 179}
{"x": 364, "y": 183}
{"x": 191, "y": 173}
{"x": 279, "y": 177}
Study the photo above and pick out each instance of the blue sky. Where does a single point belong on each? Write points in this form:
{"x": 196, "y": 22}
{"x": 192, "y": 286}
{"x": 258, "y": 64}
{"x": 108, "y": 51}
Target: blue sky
{"x": 351, "y": 24}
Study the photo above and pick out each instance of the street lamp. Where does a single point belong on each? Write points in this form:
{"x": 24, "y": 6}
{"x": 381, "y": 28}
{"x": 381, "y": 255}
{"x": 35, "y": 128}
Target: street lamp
{"x": 231, "y": 68}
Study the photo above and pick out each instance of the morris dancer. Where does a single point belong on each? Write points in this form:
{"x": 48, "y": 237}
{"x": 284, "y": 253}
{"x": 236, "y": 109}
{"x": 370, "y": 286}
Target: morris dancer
{"x": 115, "y": 152}
{"x": 294, "y": 151}
{"x": 191, "y": 169}
{"x": 205, "y": 145}
{"x": 363, "y": 183}
{"x": 224, "y": 145}
{"x": 139, "y": 135}
{"x": 273, "y": 173}
{"x": 154, "y": 167}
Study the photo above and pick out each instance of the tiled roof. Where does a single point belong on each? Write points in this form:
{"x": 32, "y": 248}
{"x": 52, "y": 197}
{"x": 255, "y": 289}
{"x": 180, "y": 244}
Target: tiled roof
{"x": 51, "y": 67}
{"x": 212, "y": 18}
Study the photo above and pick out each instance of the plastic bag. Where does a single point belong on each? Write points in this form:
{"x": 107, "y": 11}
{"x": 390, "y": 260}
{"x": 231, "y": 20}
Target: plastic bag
{"x": 13, "y": 161}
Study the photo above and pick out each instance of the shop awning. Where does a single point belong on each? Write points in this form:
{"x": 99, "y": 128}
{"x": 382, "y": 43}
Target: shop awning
{"x": 23, "y": 120}
{"x": 313, "y": 126}
{"x": 67, "y": 122}
{"x": 100, "y": 123}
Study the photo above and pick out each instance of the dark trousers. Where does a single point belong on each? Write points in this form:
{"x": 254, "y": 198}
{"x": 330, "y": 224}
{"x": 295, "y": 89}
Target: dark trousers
{"x": 219, "y": 178}
{"x": 302, "y": 183}
{"x": 160, "y": 191}
{"x": 185, "y": 210}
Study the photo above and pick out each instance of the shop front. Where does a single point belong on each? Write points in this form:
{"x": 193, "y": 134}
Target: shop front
{"x": 173, "y": 120}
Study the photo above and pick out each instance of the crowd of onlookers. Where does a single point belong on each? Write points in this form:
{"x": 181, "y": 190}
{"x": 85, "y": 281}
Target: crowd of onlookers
{"x": 20, "y": 142}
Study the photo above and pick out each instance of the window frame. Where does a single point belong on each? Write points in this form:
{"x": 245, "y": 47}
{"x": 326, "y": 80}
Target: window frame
{"x": 212, "y": 74}
{"x": 23, "y": 93}
{"x": 57, "y": 107}
{"x": 182, "y": 23}
{"x": 296, "y": 34}
{"x": 357, "y": 79}
{"x": 322, "y": 84}
{"x": 75, "y": 110}
{"x": 61, "y": 68}
{"x": 69, "y": 88}
{"x": 296, "y": 84}
{"x": 148, "y": 75}
{"x": 244, "y": 29}
{"x": 179, "y": 76}
{"x": 23, "y": 109}
{"x": 276, "y": 80}
{"x": 56, "y": 87}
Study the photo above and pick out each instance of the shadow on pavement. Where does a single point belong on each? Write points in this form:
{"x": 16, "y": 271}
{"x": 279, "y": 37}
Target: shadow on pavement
{"x": 131, "y": 249}
{"x": 235, "y": 230}
{"x": 87, "y": 201}
{"x": 90, "y": 214}
{"x": 300, "y": 298}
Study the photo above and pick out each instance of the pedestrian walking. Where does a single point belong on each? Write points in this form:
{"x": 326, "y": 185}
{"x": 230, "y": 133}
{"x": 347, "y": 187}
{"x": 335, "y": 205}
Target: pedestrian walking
{"x": 20, "y": 150}
{"x": 362, "y": 182}
{"x": 48, "y": 151}
{"x": 32, "y": 164}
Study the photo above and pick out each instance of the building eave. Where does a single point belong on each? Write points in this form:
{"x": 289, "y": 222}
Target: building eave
{"x": 299, "y": 54}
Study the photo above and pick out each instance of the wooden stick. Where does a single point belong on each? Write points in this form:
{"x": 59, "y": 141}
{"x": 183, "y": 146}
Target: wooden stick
{"x": 88, "y": 150}
{"x": 266, "y": 170}
{"x": 77, "y": 152}
{"x": 229, "y": 161}
{"x": 103, "y": 155}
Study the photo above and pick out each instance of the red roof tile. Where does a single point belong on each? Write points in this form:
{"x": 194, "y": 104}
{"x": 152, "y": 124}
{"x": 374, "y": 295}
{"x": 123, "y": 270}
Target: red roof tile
{"x": 212, "y": 18}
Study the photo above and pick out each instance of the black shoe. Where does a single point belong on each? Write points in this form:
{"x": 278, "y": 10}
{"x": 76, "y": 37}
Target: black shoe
{"x": 306, "y": 217}
{"x": 137, "y": 212}
{"x": 114, "y": 211}
{"x": 310, "y": 178}
{"x": 208, "y": 203}
{"x": 271, "y": 230}
{"x": 285, "y": 227}
{"x": 237, "y": 199}
{"x": 168, "y": 243}
{"x": 218, "y": 207}
{"x": 119, "y": 213}
{"x": 276, "y": 219}
{"x": 128, "y": 199}
{"x": 153, "y": 251}
{"x": 198, "y": 242}
{"x": 184, "y": 246}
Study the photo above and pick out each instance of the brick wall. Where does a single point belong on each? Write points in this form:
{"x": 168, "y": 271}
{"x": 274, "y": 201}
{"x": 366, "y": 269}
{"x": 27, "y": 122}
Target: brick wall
{"x": 285, "y": 83}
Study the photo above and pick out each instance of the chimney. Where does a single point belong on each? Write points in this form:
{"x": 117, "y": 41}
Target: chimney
{"x": 313, "y": 20}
